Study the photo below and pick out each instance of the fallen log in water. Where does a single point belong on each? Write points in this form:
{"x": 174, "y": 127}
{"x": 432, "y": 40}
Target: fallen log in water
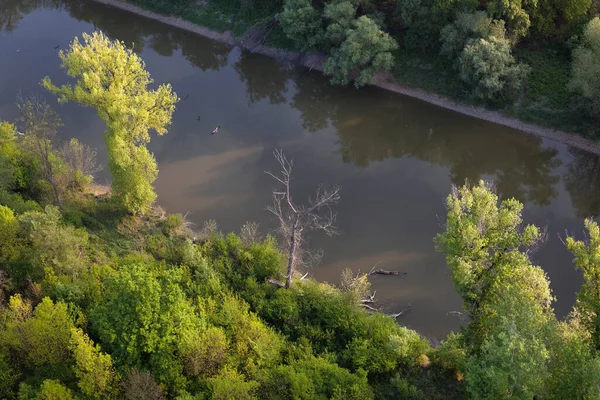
{"x": 386, "y": 272}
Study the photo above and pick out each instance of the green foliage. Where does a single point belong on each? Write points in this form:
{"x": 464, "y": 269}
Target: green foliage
{"x": 40, "y": 341}
{"x": 587, "y": 259}
{"x": 10, "y": 245}
{"x": 451, "y": 353}
{"x": 140, "y": 320}
{"x": 515, "y": 15}
{"x": 511, "y": 361}
{"x": 553, "y": 19}
{"x": 203, "y": 353}
{"x": 57, "y": 249}
{"x": 93, "y": 369}
{"x": 340, "y": 16}
{"x": 489, "y": 69}
{"x": 113, "y": 79}
{"x": 586, "y": 69}
{"x": 574, "y": 370}
{"x": 230, "y": 385}
{"x": 316, "y": 378}
{"x": 365, "y": 51}
{"x": 334, "y": 324}
{"x": 54, "y": 390}
{"x": 467, "y": 26}
{"x": 302, "y": 23}
{"x": 483, "y": 240}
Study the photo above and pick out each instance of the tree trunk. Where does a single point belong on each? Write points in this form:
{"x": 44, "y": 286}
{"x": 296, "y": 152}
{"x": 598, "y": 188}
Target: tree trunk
{"x": 292, "y": 253}
{"x": 56, "y": 193}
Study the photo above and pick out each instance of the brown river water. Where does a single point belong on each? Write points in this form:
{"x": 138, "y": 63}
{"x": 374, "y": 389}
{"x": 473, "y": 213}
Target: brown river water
{"x": 396, "y": 158}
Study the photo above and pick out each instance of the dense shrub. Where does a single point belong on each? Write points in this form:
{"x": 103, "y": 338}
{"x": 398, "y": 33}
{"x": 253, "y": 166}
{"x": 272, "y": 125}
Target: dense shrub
{"x": 467, "y": 26}
{"x": 586, "y": 68}
{"x": 489, "y": 69}
{"x": 302, "y": 23}
{"x": 365, "y": 51}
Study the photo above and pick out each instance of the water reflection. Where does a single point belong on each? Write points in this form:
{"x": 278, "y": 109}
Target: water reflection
{"x": 264, "y": 78}
{"x": 582, "y": 180}
{"x": 521, "y": 166}
{"x": 13, "y": 11}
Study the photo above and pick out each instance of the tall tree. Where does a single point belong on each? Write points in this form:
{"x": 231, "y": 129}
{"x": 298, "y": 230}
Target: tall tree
{"x": 41, "y": 123}
{"x": 113, "y": 79}
{"x": 587, "y": 259}
{"x": 484, "y": 242}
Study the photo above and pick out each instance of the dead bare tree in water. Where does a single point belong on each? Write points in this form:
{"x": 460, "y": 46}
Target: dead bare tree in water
{"x": 295, "y": 220}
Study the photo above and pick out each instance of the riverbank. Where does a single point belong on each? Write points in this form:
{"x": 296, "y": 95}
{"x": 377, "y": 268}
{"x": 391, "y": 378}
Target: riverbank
{"x": 384, "y": 81}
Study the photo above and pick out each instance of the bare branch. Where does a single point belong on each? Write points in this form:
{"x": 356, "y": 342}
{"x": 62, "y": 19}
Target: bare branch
{"x": 295, "y": 219}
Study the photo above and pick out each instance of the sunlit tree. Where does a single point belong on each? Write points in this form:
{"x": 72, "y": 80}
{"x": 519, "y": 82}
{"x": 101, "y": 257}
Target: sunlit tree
{"x": 113, "y": 79}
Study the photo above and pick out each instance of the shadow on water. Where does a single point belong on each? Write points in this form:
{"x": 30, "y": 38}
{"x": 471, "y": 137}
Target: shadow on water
{"x": 396, "y": 158}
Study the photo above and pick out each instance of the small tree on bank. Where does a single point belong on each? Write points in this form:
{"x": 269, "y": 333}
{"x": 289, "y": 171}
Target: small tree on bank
{"x": 297, "y": 219}
{"x": 365, "y": 51}
{"x": 41, "y": 123}
{"x": 585, "y": 70}
{"x": 113, "y": 79}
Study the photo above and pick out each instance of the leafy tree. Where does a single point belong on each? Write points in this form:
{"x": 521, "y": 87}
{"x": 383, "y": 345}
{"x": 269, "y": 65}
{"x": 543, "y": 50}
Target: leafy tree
{"x": 41, "y": 123}
{"x": 587, "y": 259}
{"x": 340, "y": 15}
{"x": 574, "y": 370}
{"x": 467, "y": 26}
{"x": 302, "y": 23}
{"x": 113, "y": 79}
{"x": 514, "y": 13}
{"x": 93, "y": 369}
{"x": 366, "y": 50}
{"x": 506, "y": 296}
{"x": 52, "y": 245}
{"x": 203, "y": 353}
{"x": 511, "y": 361}
{"x": 230, "y": 385}
{"x": 490, "y": 70}
{"x": 10, "y": 244}
{"x": 54, "y": 390}
{"x": 316, "y": 378}
{"x": 41, "y": 338}
{"x": 553, "y": 19}
{"x": 482, "y": 240}
{"x": 585, "y": 69}
{"x": 8, "y": 154}
{"x": 141, "y": 318}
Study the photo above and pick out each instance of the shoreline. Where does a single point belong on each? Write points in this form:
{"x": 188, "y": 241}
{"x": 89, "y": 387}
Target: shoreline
{"x": 383, "y": 81}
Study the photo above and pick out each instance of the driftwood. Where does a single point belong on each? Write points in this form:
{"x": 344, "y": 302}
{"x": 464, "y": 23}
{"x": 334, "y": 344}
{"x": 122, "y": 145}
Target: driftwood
{"x": 369, "y": 299}
{"x": 386, "y": 272}
{"x": 368, "y": 307}
{"x": 275, "y": 282}
{"x": 395, "y": 316}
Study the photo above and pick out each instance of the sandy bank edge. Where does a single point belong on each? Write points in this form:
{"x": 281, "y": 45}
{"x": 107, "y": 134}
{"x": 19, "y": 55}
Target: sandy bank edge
{"x": 383, "y": 81}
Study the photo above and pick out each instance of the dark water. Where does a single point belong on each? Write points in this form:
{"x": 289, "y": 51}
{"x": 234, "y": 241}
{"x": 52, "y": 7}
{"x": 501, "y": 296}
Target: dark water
{"x": 396, "y": 158}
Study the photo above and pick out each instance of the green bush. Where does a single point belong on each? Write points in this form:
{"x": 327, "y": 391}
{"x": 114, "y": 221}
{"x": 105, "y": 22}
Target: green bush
{"x": 489, "y": 69}
{"x": 467, "y": 26}
{"x": 365, "y": 51}
{"x": 315, "y": 378}
{"x": 230, "y": 385}
{"x": 586, "y": 68}
{"x": 302, "y": 23}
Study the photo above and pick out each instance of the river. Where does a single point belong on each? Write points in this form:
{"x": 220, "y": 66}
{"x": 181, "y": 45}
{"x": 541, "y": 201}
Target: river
{"x": 396, "y": 158}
